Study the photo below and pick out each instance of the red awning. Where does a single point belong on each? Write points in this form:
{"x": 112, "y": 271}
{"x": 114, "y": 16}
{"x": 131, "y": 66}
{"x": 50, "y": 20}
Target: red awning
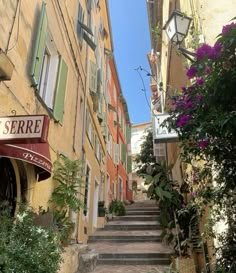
{"x": 35, "y": 153}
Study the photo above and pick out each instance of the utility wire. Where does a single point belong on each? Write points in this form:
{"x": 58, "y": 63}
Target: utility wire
{"x": 18, "y": 6}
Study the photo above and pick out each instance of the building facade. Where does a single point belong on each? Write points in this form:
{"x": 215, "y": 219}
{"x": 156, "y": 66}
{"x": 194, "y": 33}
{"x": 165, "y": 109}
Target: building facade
{"x": 119, "y": 139}
{"x": 46, "y": 79}
{"x": 56, "y": 71}
{"x": 169, "y": 67}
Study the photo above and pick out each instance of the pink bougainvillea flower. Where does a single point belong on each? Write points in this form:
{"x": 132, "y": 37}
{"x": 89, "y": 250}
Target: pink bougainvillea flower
{"x": 191, "y": 72}
{"x": 200, "y": 81}
{"x": 190, "y": 89}
{"x": 226, "y": 29}
{"x": 203, "y": 143}
{"x": 215, "y": 51}
{"x": 199, "y": 97}
{"x": 183, "y": 205}
{"x": 203, "y": 51}
{"x": 183, "y": 88}
{"x": 183, "y": 120}
{"x": 188, "y": 105}
{"x": 208, "y": 70}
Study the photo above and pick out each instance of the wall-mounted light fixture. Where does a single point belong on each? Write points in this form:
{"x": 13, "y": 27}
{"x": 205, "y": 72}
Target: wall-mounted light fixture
{"x": 176, "y": 29}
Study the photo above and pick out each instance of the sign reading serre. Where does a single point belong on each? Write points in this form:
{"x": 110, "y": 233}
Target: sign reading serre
{"x": 24, "y": 129}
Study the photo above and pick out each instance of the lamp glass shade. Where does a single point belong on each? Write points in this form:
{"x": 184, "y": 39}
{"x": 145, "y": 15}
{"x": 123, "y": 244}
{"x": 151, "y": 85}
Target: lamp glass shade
{"x": 177, "y": 27}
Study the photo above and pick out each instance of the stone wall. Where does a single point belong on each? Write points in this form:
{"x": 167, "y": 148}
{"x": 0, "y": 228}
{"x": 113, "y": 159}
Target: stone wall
{"x": 78, "y": 258}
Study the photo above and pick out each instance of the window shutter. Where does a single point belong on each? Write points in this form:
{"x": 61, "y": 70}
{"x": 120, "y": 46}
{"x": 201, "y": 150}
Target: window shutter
{"x": 123, "y": 153}
{"x": 39, "y": 47}
{"x": 58, "y": 110}
{"x": 129, "y": 164}
{"x": 128, "y": 134}
{"x": 93, "y": 77}
{"x": 117, "y": 153}
{"x": 80, "y": 21}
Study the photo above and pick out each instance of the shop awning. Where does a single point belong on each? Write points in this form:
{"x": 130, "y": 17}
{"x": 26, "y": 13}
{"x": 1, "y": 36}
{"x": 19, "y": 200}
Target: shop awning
{"x": 35, "y": 153}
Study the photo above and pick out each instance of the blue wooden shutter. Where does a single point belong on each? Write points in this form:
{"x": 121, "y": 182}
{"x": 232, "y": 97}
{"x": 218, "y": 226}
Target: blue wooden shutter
{"x": 58, "y": 109}
{"x": 39, "y": 47}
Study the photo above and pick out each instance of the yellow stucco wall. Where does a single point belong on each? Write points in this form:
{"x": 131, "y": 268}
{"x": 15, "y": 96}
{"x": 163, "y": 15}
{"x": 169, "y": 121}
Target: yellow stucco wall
{"x": 17, "y": 96}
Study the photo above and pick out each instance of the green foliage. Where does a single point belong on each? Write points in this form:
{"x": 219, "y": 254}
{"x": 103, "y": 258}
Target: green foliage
{"x": 166, "y": 192}
{"x": 117, "y": 208}
{"x": 157, "y": 31}
{"x": 66, "y": 197}
{"x": 204, "y": 117}
{"x": 24, "y": 247}
{"x": 69, "y": 174}
{"x": 146, "y": 156}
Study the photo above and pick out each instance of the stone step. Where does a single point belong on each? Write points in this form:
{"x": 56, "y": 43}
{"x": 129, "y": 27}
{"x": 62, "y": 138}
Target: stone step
{"x": 131, "y": 268}
{"x": 115, "y": 226}
{"x": 134, "y": 261}
{"x": 140, "y": 212}
{"x": 142, "y": 209}
{"x": 132, "y": 249}
{"x": 137, "y": 218}
{"x": 124, "y": 238}
{"x": 127, "y": 232}
{"x": 134, "y": 258}
{"x": 150, "y": 255}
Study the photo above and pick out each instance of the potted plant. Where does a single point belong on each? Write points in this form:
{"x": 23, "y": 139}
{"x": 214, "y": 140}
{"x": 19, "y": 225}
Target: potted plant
{"x": 117, "y": 208}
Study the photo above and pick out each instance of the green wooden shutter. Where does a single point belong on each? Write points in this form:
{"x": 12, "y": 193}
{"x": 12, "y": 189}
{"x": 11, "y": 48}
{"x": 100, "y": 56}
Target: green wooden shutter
{"x": 58, "y": 109}
{"x": 39, "y": 47}
{"x": 123, "y": 153}
{"x": 129, "y": 164}
{"x": 128, "y": 134}
{"x": 93, "y": 77}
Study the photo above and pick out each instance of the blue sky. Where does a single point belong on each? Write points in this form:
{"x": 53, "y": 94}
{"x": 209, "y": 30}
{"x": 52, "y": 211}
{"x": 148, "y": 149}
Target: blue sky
{"x": 131, "y": 42}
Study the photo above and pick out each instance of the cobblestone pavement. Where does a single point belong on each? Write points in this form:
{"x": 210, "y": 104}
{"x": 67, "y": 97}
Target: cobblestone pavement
{"x": 129, "y": 269}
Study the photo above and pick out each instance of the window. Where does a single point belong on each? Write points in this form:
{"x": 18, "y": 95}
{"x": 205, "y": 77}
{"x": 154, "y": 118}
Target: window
{"x": 48, "y": 75}
{"x": 117, "y": 154}
{"x": 96, "y": 2}
{"x": 48, "y": 69}
{"x": 83, "y": 31}
{"x": 109, "y": 144}
{"x": 97, "y": 149}
{"x": 89, "y": 128}
{"x": 80, "y": 21}
{"x": 93, "y": 77}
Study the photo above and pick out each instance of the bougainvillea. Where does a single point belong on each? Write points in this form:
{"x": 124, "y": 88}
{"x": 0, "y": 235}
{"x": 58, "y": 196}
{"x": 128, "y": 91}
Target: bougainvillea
{"x": 204, "y": 116}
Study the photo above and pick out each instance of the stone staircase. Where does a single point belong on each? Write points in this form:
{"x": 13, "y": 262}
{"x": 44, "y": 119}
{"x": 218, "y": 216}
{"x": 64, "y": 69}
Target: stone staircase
{"x": 133, "y": 239}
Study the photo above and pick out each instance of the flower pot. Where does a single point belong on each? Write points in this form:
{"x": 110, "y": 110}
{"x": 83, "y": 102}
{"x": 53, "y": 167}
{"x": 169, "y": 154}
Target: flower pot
{"x": 101, "y": 212}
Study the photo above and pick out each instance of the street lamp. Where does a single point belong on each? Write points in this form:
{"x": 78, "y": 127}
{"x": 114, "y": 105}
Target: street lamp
{"x": 176, "y": 29}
